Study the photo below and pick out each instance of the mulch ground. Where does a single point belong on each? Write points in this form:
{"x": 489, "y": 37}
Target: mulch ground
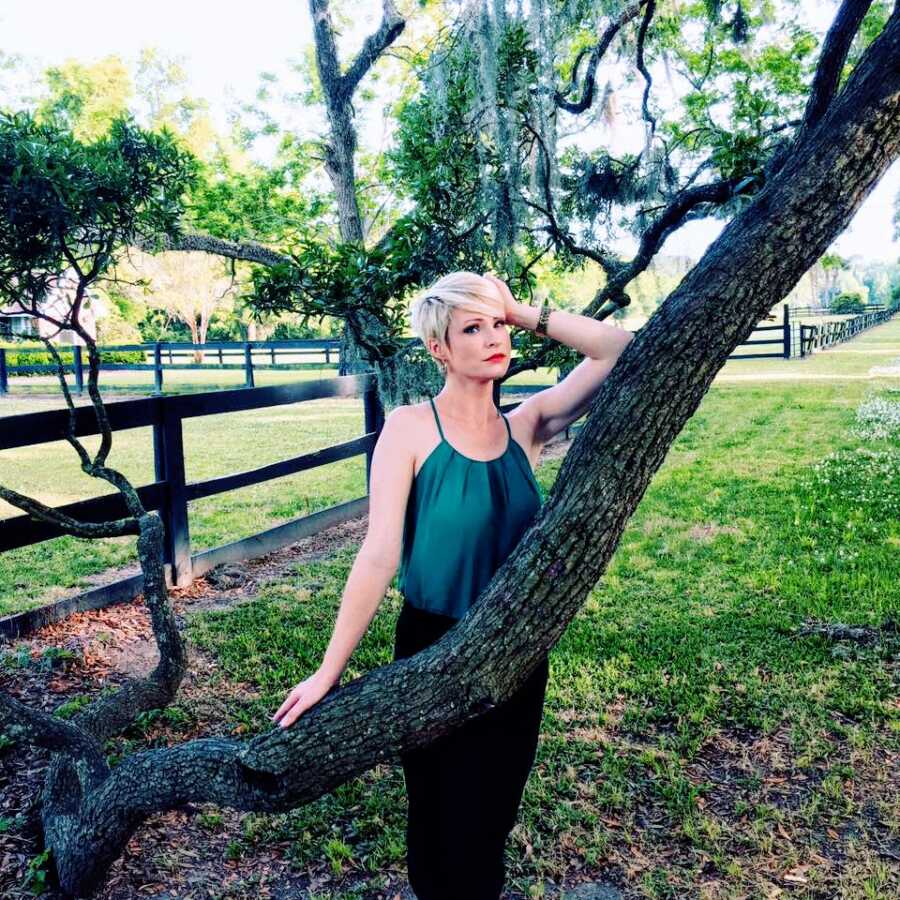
{"x": 171, "y": 855}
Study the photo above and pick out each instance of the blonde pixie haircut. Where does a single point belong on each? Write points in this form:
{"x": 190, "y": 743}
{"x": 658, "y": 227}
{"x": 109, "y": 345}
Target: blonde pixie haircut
{"x": 430, "y": 313}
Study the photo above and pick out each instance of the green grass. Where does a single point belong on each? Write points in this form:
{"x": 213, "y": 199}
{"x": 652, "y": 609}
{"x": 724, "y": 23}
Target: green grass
{"x": 768, "y": 512}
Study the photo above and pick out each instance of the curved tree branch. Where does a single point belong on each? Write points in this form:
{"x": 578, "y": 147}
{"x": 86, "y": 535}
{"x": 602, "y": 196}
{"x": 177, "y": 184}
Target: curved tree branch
{"x": 680, "y": 210}
{"x": 51, "y": 516}
{"x": 642, "y": 68}
{"x": 248, "y": 251}
{"x": 40, "y": 729}
{"x": 587, "y": 93}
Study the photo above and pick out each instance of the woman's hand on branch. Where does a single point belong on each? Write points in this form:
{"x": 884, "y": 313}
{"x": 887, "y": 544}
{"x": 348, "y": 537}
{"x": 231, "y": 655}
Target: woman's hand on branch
{"x": 303, "y": 696}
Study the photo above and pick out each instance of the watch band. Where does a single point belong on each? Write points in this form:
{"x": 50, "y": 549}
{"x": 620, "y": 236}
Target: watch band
{"x": 543, "y": 317}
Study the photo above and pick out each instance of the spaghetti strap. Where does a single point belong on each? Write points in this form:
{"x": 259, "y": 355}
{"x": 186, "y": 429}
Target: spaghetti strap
{"x": 508, "y": 431}
{"x": 437, "y": 419}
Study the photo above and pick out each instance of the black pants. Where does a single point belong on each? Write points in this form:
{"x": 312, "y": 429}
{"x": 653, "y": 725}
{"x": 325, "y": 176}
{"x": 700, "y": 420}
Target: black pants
{"x": 464, "y": 788}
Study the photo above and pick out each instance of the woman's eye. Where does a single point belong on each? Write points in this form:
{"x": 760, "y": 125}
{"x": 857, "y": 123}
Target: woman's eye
{"x": 498, "y": 322}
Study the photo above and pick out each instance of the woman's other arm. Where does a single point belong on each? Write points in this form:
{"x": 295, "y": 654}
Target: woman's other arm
{"x": 552, "y": 410}
{"x": 373, "y": 569}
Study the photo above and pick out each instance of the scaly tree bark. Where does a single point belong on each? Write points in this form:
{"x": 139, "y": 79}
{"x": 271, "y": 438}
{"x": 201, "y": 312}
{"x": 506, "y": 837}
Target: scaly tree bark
{"x": 90, "y": 811}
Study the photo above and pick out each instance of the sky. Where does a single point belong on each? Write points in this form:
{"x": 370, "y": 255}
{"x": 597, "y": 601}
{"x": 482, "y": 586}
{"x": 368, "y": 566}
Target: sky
{"x": 224, "y": 54}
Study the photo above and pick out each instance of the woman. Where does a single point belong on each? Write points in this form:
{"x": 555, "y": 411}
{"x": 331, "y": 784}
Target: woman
{"x": 452, "y": 490}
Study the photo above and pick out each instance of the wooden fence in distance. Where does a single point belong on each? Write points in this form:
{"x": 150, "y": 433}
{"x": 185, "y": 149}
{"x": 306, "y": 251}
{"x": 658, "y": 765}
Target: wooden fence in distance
{"x": 786, "y": 340}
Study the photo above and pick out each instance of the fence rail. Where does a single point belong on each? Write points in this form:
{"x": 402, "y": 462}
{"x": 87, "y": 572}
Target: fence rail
{"x": 789, "y": 339}
{"x": 162, "y": 355}
{"x": 825, "y": 311}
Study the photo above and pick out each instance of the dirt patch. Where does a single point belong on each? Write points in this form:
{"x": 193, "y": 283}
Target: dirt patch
{"x": 708, "y": 530}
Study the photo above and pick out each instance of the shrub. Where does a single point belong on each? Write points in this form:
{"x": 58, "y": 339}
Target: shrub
{"x": 15, "y": 356}
{"x": 844, "y": 304}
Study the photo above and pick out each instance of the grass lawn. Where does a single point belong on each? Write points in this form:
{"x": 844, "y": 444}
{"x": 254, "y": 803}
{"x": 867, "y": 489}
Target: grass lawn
{"x": 693, "y": 745}
{"x": 690, "y": 739}
{"x": 219, "y": 445}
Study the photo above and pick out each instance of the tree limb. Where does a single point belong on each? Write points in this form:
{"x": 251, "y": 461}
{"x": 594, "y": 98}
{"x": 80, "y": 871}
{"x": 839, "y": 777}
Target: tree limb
{"x": 642, "y": 68}
{"x": 831, "y": 61}
{"x": 392, "y": 24}
{"x": 40, "y": 729}
{"x": 44, "y": 513}
{"x": 76, "y": 445}
{"x": 675, "y": 214}
{"x": 248, "y": 251}
{"x": 587, "y": 94}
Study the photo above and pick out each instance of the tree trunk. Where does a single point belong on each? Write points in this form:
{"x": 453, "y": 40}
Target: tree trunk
{"x": 195, "y": 338}
{"x": 339, "y": 151}
{"x": 654, "y": 389}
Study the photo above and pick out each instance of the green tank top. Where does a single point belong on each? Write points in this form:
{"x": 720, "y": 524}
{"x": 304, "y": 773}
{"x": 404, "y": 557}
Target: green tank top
{"x": 463, "y": 518}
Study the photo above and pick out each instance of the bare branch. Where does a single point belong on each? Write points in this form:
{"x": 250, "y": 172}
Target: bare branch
{"x": 248, "y": 251}
{"x": 558, "y": 234}
{"x": 642, "y": 68}
{"x": 44, "y": 513}
{"x": 612, "y": 295}
{"x": 40, "y": 729}
{"x": 392, "y": 24}
{"x": 77, "y": 446}
{"x": 108, "y": 715}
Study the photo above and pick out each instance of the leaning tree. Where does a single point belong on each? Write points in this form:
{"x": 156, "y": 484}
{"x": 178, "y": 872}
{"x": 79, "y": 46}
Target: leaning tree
{"x": 848, "y": 136}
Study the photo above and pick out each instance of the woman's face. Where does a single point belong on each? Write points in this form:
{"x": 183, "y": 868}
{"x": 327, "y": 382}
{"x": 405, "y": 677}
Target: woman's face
{"x": 474, "y": 338}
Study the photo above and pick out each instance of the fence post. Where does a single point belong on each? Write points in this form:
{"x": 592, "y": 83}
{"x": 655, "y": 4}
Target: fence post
{"x": 272, "y": 348}
{"x": 168, "y": 461}
{"x": 327, "y": 355}
{"x": 157, "y": 368}
{"x": 787, "y": 331}
{"x": 374, "y": 421}
{"x": 220, "y": 356}
{"x": 4, "y": 375}
{"x": 248, "y": 365}
{"x": 78, "y": 368}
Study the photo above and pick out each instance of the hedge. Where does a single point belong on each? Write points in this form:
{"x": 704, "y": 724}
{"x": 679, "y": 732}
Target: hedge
{"x": 15, "y": 357}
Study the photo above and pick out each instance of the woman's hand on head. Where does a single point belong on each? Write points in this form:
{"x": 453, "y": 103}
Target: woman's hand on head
{"x": 303, "y": 696}
{"x": 510, "y": 304}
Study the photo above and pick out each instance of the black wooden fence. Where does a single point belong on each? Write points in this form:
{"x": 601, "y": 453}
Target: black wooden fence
{"x": 162, "y": 355}
{"x": 817, "y": 337}
{"x": 814, "y": 311}
{"x": 787, "y": 339}
{"x": 171, "y": 492}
